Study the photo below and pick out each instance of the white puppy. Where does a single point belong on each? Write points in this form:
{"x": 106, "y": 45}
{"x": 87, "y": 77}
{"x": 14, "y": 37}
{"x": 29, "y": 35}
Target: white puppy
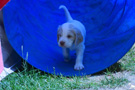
{"x": 71, "y": 36}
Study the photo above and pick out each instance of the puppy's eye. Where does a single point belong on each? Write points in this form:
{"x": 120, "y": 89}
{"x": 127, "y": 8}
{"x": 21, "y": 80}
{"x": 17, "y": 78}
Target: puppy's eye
{"x": 69, "y": 36}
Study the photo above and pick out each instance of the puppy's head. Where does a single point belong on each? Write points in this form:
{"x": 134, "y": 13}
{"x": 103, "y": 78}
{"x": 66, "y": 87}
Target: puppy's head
{"x": 67, "y": 35}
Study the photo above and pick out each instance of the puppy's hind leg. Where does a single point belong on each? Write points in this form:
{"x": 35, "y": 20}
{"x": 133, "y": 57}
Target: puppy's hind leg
{"x": 66, "y": 54}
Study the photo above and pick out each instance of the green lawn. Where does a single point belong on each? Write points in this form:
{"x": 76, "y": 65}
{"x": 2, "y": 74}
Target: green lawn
{"x": 33, "y": 79}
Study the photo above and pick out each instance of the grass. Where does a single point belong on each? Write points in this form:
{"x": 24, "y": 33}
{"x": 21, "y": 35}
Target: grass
{"x": 113, "y": 82}
{"x": 30, "y": 78}
{"x": 37, "y": 80}
{"x": 128, "y": 62}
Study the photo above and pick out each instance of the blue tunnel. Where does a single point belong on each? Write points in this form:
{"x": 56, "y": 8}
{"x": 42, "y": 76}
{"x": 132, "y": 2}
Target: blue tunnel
{"x": 31, "y": 28}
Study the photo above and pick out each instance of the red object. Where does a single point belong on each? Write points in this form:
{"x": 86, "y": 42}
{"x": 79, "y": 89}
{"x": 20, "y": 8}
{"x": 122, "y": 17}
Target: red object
{"x": 3, "y": 3}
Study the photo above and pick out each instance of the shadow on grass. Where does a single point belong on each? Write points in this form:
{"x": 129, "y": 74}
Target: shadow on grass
{"x": 117, "y": 67}
{"x": 26, "y": 68}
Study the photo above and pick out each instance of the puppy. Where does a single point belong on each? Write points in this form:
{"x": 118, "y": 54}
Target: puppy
{"x": 71, "y": 36}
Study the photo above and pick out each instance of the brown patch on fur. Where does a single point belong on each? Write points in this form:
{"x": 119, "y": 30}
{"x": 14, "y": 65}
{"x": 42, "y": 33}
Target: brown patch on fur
{"x": 78, "y": 34}
{"x": 74, "y": 37}
{"x": 59, "y": 32}
{"x": 79, "y": 37}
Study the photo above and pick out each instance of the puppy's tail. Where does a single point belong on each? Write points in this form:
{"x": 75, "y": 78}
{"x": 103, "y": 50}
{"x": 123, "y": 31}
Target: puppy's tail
{"x": 69, "y": 18}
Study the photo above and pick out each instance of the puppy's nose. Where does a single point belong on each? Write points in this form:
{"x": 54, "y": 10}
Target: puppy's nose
{"x": 62, "y": 43}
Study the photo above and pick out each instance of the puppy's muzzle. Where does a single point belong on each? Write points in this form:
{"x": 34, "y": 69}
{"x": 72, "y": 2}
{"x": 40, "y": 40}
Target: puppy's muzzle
{"x": 62, "y": 43}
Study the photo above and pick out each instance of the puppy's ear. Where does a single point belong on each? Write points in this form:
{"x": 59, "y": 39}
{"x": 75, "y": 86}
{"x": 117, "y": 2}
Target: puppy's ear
{"x": 78, "y": 34}
{"x": 79, "y": 37}
{"x": 59, "y": 32}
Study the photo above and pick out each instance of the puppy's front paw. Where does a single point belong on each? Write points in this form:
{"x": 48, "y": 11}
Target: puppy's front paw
{"x": 79, "y": 66}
